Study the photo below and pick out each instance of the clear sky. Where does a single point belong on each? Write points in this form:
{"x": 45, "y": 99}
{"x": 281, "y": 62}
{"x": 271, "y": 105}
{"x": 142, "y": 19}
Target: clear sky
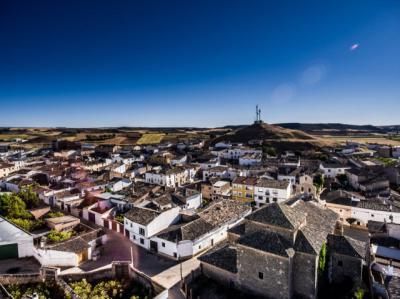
{"x": 198, "y": 63}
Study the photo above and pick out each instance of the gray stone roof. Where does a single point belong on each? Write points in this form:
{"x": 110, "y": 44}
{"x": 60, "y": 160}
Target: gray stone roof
{"x": 224, "y": 257}
{"x": 219, "y": 213}
{"x": 76, "y": 245}
{"x": 268, "y": 183}
{"x": 378, "y": 205}
{"x": 266, "y": 241}
{"x": 141, "y": 215}
{"x": 188, "y": 231}
{"x": 319, "y": 223}
{"x": 347, "y": 246}
{"x": 224, "y": 211}
{"x": 278, "y": 215}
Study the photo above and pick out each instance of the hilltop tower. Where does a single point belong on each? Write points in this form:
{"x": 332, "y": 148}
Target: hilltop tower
{"x": 258, "y": 116}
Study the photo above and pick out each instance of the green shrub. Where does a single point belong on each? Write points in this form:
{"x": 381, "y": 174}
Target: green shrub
{"x": 27, "y": 224}
{"x": 54, "y": 214}
{"x": 322, "y": 258}
{"x": 56, "y": 236}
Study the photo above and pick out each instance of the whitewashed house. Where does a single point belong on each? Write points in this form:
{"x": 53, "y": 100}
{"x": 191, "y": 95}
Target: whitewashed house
{"x": 333, "y": 170}
{"x": 14, "y": 242}
{"x": 268, "y": 191}
{"x": 186, "y": 240}
{"x": 142, "y": 223}
{"x": 250, "y": 159}
{"x": 119, "y": 184}
{"x": 188, "y": 199}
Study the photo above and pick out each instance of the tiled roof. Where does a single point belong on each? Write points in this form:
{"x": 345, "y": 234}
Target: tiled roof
{"x": 242, "y": 180}
{"x": 347, "y": 246}
{"x": 76, "y": 245}
{"x": 278, "y": 215}
{"x": 224, "y": 257}
{"x": 266, "y": 241}
{"x": 319, "y": 223}
{"x": 267, "y": 183}
{"x": 141, "y": 215}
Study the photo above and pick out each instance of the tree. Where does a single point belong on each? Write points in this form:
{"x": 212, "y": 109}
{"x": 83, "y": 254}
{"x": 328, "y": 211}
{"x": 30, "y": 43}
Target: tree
{"x": 27, "y": 224}
{"x": 359, "y": 293}
{"x": 269, "y": 150}
{"x": 319, "y": 181}
{"x": 12, "y": 206}
{"x": 322, "y": 259}
{"x": 103, "y": 290}
{"x": 30, "y": 197}
{"x": 56, "y": 236}
{"x": 82, "y": 288}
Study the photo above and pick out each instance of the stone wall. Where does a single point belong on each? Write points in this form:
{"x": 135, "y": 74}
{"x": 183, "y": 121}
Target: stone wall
{"x": 255, "y": 226}
{"x": 343, "y": 267}
{"x": 222, "y": 276}
{"x": 305, "y": 275}
{"x": 276, "y": 273}
{"x": 20, "y": 278}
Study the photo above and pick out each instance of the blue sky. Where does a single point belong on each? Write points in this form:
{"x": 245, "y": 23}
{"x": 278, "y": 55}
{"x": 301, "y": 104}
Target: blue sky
{"x": 198, "y": 63}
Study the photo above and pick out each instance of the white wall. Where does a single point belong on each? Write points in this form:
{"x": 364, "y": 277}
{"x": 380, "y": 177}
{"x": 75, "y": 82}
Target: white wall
{"x": 365, "y": 215}
{"x": 333, "y": 172}
{"x": 194, "y": 201}
{"x": 279, "y": 194}
{"x": 25, "y": 247}
{"x": 56, "y": 258}
{"x": 289, "y": 178}
{"x": 164, "y": 220}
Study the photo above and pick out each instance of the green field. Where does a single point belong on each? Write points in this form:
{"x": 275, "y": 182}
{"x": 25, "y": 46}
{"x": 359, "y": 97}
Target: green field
{"x": 152, "y": 138}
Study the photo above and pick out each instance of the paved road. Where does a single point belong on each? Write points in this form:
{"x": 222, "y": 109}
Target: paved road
{"x": 171, "y": 276}
{"x": 162, "y": 270}
{"x": 118, "y": 248}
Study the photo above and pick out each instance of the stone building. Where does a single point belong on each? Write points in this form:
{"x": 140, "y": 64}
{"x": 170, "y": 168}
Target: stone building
{"x": 346, "y": 258}
{"x": 275, "y": 251}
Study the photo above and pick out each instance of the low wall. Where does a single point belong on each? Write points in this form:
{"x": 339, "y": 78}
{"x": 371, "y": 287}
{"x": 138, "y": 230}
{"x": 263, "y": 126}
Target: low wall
{"x": 20, "y": 278}
{"x": 118, "y": 270}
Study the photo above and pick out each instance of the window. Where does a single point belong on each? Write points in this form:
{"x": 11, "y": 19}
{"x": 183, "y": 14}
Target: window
{"x": 134, "y": 237}
{"x": 163, "y": 244}
{"x": 260, "y": 275}
{"x": 175, "y": 255}
{"x": 141, "y": 241}
{"x": 340, "y": 263}
{"x": 141, "y": 231}
{"x": 372, "y": 215}
{"x": 275, "y": 199}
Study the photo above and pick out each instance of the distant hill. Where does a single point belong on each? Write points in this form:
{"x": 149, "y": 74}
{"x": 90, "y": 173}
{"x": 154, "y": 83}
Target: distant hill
{"x": 326, "y": 127}
{"x": 273, "y": 135}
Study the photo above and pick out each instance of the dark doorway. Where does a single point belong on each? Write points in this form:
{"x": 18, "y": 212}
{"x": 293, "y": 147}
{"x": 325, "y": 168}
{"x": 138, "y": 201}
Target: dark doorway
{"x": 154, "y": 246}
